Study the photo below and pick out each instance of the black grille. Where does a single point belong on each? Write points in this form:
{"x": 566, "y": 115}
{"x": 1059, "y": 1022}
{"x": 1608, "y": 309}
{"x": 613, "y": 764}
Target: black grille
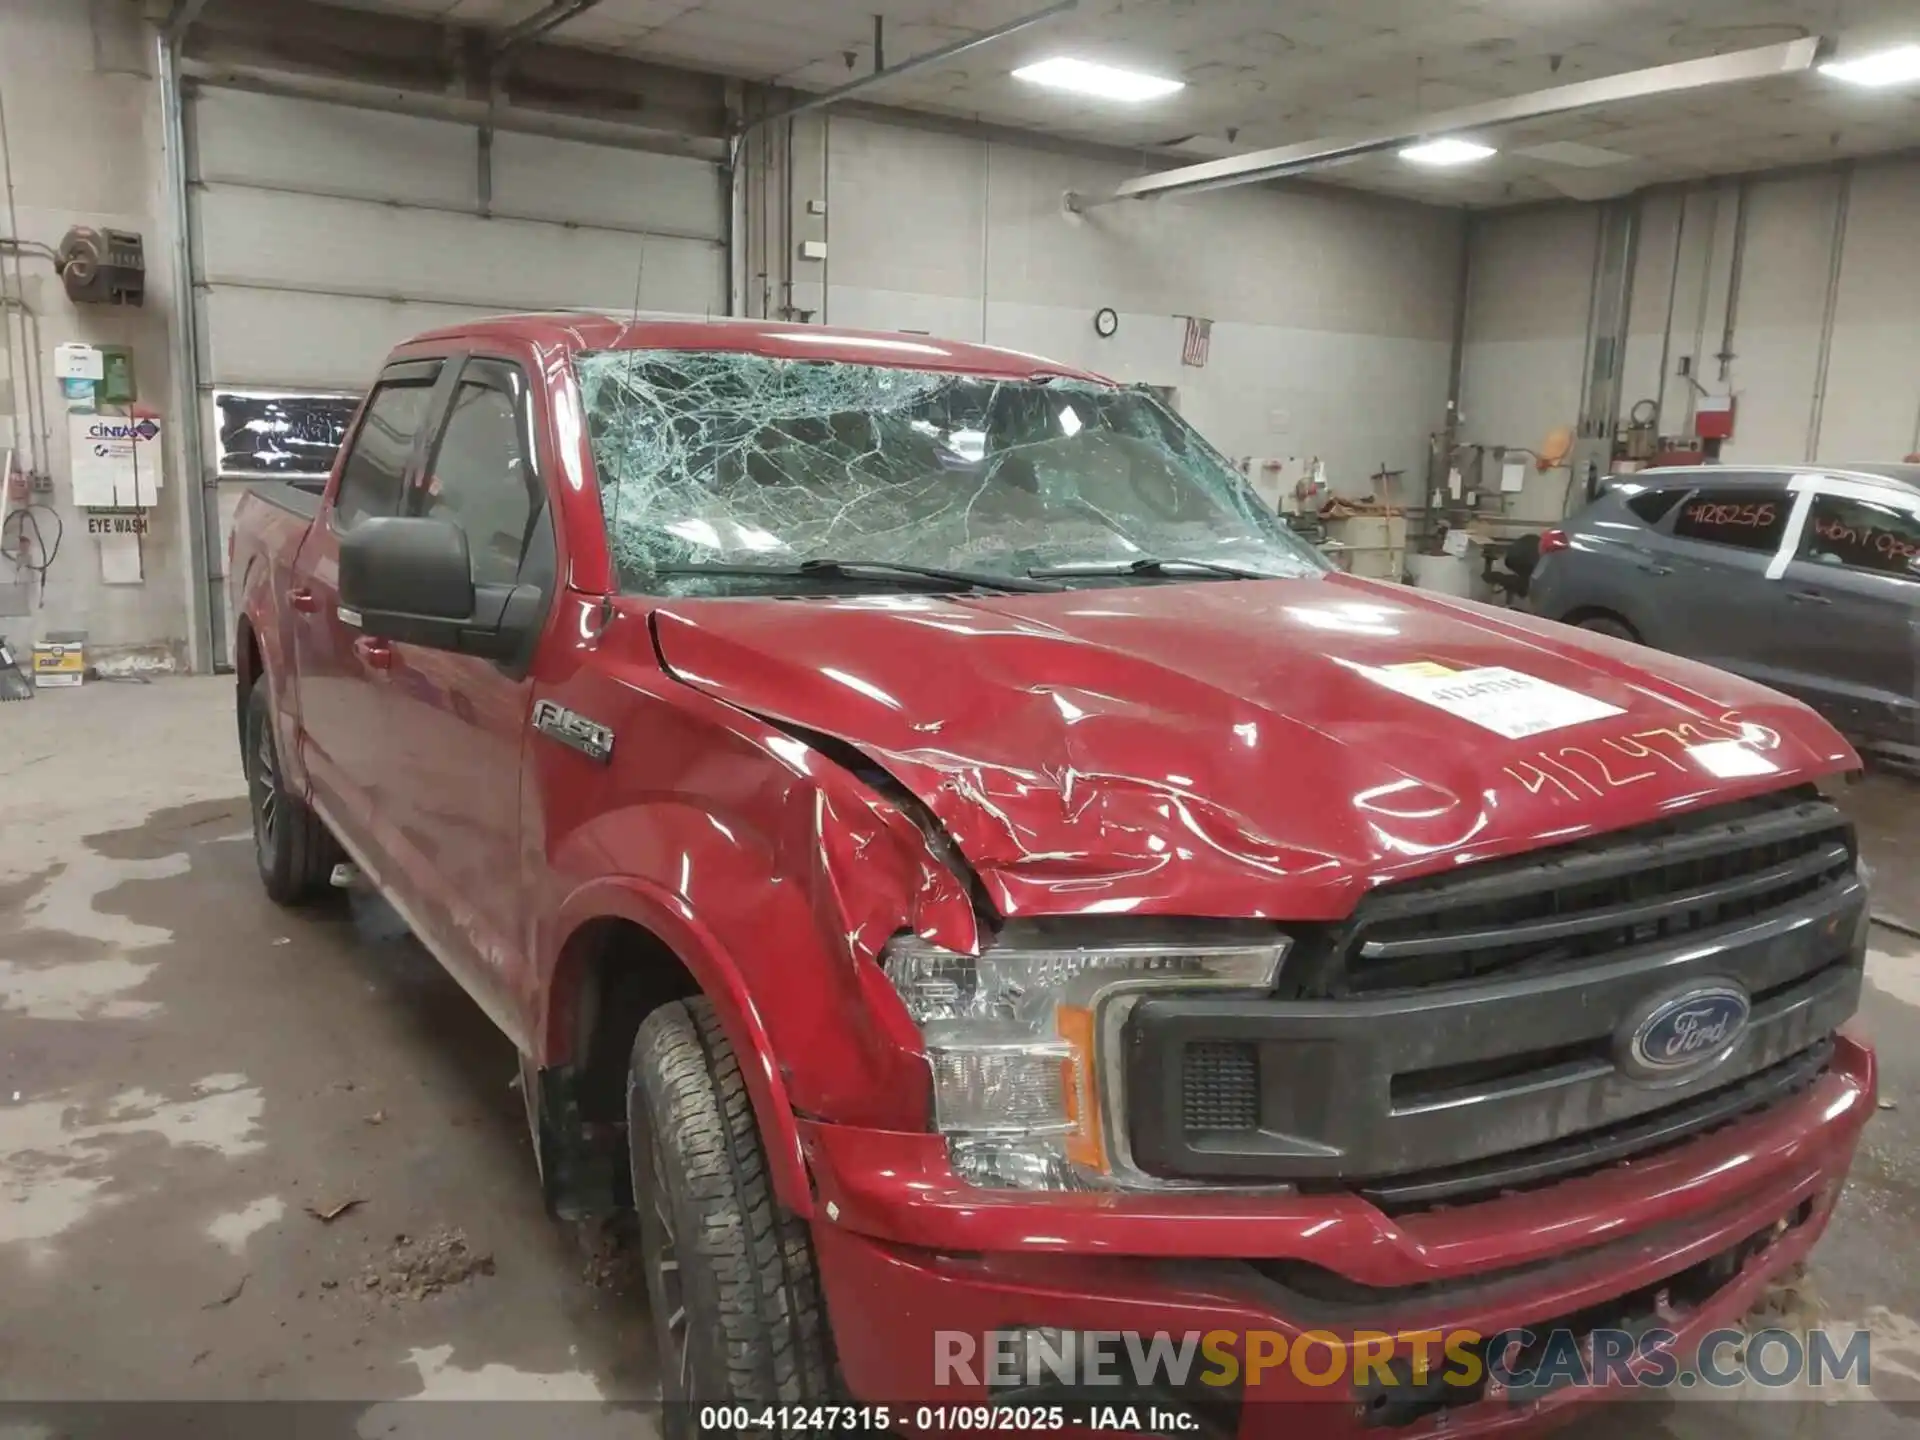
{"x": 1462, "y": 1035}
{"x": 1655, "y": 884}
{"x": 1524, "y": 1169}
{"x": 1220, "y": 1088}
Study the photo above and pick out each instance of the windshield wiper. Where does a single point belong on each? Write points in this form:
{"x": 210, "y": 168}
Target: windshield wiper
{"x": 1152, "y": 567}
{"x": 865, "y": 570}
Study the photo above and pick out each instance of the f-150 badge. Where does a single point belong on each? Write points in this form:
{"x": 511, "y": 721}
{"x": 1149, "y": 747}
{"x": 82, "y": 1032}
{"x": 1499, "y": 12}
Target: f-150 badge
{"x": 574, "y": 730}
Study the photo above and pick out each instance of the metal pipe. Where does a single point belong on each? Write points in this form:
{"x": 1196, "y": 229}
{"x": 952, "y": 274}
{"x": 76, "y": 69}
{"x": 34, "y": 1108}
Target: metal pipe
{"x": 1765, "y": 62}
{"x": 542, "y": 21}
{"x": 1842, "y": 203}
{"x": 206, "y": 634}
{"x": 1590, "y": 360}
{"x": 39, "y": 443}
{"x": 1462, "y": 295}
{"x": 1737, "y": 268}
{"x": 879, "y": 43}
{"x": 460, "y": 110}
{"x": 1666, "y": 330}
{"x": 918, "y": 62}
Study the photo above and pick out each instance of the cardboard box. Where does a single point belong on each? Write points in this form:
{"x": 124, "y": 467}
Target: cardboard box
{"x": 60, "y": 659}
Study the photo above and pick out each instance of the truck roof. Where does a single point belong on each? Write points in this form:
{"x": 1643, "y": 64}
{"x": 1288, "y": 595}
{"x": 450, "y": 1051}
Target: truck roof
{"x": 579, "y": 331}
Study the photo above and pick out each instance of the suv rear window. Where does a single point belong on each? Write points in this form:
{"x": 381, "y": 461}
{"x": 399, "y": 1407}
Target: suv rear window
{"x": 1746, "y": 519}
{"x": 1652, "y": 505}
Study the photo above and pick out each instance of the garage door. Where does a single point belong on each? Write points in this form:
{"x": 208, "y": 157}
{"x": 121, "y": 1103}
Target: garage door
{"x": 324, "y": 234}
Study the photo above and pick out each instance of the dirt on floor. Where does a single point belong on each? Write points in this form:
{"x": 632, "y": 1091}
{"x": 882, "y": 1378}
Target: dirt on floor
{"x": 247, "y": 1154}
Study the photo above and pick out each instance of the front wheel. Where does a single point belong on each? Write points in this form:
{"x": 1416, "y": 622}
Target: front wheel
{"x": 291, "y": 844}
{"x": 737, "y": 1314}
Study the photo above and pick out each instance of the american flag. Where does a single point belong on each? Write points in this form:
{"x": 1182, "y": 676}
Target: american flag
{"x": 1199, "y": 341}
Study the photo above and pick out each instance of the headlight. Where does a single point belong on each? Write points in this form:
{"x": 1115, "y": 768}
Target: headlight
{"x": 1020, "y": 1037}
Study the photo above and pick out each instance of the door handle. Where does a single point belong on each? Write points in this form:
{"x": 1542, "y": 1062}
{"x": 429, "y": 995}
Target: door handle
{"x": 374, "y": 652}
{"x": 303, "y": 600}
{"x": 1809, "y": 597}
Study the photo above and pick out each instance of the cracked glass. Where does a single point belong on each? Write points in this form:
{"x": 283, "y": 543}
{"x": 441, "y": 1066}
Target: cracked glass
{"x": 730, "y": 459}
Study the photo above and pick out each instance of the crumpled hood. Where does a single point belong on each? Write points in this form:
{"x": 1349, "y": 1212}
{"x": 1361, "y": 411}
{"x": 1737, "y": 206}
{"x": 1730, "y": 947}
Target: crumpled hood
{"x": 1246, "y": 748}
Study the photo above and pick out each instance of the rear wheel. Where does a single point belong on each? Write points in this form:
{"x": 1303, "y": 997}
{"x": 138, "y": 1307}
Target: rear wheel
{"x": 291, "y": 845}
{"x": 1608, "y": 625}
{"x": 736, "y": 1306}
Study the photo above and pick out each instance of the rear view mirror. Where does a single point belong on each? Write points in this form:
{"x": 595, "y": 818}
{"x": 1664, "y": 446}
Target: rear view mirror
{"x": 410, "y": 580}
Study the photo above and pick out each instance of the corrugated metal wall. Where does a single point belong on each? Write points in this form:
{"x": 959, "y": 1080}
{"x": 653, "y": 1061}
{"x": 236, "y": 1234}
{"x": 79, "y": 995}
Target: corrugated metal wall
{"x": 323, "y": 235}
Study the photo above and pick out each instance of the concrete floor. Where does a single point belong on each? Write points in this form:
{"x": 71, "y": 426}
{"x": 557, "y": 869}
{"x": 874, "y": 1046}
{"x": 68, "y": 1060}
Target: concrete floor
{"x": 188, "y": 1074}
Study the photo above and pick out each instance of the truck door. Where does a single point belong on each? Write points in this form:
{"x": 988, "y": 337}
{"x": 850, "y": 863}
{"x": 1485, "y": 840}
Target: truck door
{"x": 343, "y": 674}
{"x": 1852, "y": 590}
{"x": 459, "y": 723}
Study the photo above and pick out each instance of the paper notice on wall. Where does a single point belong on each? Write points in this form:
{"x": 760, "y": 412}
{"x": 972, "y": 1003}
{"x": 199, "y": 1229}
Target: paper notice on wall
{"x": 120, "y": 559}
{"x": 1494, "y": 698}
{"x": 115, "y": 460}
{"x": 1513, "y": 477}
{"x": 75, "y": 361}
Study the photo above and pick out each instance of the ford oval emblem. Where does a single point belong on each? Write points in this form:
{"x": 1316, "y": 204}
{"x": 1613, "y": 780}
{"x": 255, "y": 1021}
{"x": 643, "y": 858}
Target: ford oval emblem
{"x": 1687, "y": 1032}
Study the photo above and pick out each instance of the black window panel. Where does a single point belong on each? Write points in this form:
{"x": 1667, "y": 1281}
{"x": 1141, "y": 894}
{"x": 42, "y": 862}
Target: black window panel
{"x": 1745, "y": 519}
{"x": 1862, "y": 535}
{"x": 1652, "y": 505}
{"x": 288, "y": 436}
{"x": 377, "y": 464}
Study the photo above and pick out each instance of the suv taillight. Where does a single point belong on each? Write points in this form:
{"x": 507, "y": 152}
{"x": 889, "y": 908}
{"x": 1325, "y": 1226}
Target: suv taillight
{"x": 1554, "y": 540}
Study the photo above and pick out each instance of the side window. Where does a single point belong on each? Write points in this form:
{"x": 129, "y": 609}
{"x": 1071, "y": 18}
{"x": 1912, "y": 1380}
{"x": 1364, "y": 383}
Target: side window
{"x": 377, "y": 463}
{"x": 1744, "y": 519}
{"x": 481, "y": 478}
{"x": 1652, "y": 505}
{"x": 1862, "y": 535}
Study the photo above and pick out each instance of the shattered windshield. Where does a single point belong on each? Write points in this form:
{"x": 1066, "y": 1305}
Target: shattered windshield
{"x": 714, "y": 461}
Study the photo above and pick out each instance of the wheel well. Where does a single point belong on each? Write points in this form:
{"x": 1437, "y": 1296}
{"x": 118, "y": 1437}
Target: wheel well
{"x": 612, "y": 975}
{"x": 246, "y": 670}
{"x": 1584, "y": 613}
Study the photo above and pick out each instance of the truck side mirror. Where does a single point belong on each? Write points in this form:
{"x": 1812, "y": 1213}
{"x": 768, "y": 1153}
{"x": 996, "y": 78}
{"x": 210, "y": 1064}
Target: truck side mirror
{"x": 410, "y": 579}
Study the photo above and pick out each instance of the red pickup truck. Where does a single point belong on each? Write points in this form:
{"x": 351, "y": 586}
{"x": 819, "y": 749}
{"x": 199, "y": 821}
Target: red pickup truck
{"x": 977, "y": 884}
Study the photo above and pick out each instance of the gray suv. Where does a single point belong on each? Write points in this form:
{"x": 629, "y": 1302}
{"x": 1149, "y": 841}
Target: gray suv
{"x": 1806, "y": 579}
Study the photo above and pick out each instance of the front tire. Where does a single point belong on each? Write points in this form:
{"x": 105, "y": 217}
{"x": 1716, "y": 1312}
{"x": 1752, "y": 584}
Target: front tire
{"x": 730, "y": 1275}
{"x": 291, "y": 844}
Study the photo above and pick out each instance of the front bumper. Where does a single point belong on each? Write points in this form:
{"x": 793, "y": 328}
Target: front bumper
{"x": 907, "y": 1250}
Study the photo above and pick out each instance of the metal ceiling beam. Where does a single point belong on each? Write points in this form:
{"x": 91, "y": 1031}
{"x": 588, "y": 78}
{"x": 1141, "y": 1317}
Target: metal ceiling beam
{"x": 366, "y": 95}
{"x": 544, "y": 20}
{"x": 181, "y": 17}
{"x": 919, "y": 62}
{"x": 1765, "y": 62}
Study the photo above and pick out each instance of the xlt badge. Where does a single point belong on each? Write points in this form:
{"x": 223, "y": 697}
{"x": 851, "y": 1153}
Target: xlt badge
{"x": 574, "y": 730}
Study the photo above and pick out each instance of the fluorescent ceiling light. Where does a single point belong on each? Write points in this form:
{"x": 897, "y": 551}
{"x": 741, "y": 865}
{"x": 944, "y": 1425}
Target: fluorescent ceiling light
{"x": 1447, "y": 152}
{"x": 1083, "y": 77}
{"x": 1890, "y": 67}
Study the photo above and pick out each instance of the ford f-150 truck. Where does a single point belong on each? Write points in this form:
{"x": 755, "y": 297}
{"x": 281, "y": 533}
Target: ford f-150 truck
{"x": 973, "y": 882}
